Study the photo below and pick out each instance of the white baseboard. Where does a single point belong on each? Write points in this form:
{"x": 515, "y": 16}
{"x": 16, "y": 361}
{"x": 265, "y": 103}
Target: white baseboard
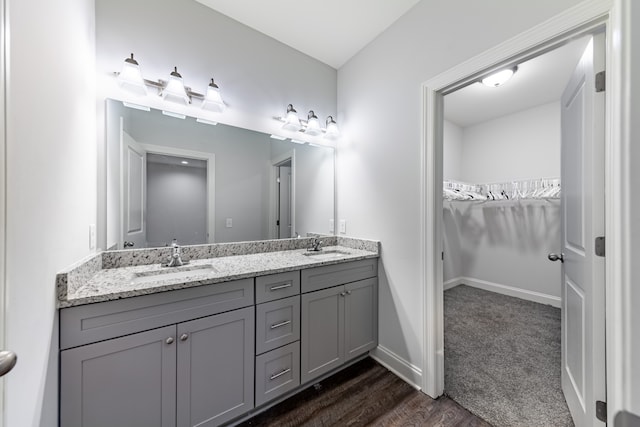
{"x": 538, "y": 297}
{"x": 406, "y": 371}
{"x": 452, "y": 283}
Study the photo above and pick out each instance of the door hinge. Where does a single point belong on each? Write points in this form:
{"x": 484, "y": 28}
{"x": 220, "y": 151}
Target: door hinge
{"x": 601, "y": 410}
{"x": 278, "y": 223}
{"x": 600, "y": 246}
{"x": 278, "y": 180}
{"x": 600, "y": 81}
{"x": 443, "y": 256}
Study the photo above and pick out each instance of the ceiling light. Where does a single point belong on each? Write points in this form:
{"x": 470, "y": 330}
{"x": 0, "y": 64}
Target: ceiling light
{"x": 206, "y": 122}
{"x": 499, "y": 78}
{"x": 332, "y": 131}
{"x": 212, "y": 100}
{"x": 291, "y": 121}
{"x": 174, "y": 90}
{"x": 313, "y": 124}
{"x": 130, "y": 78}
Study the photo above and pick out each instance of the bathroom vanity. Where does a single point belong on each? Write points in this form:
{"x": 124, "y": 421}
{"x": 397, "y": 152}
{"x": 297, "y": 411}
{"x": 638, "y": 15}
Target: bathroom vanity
{"x": 239, "y": 328}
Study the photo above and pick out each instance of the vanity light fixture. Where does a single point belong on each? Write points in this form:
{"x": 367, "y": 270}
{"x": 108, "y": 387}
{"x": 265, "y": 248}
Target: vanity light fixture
{"x": 313, "y": 124}
{"x": 136, "y": 106}
{"x": 175, "y": 115}
{"x": 206, "y": 122}
{"x": 174, "y": 89}
{"x": 332, "y": 131}
{"x": 500, "y": 77}
{"x": 212, "y": 100}
{"x": 291, "y": 121}
{"x": 130, "y": 78}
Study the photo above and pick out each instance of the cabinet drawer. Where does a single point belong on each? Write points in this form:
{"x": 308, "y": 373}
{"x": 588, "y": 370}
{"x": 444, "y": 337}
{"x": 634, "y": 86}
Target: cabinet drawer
{"x": 277, "y": 323}
{"x": 277, "y": 372}
{"x": 317, "y": 278}
{"x": 100, "y": 321}
{"x": 276, "y": 286}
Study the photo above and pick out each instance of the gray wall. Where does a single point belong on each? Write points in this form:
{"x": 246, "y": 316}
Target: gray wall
{"x": 379, "y": 106}
{"x": 176, "y": 204}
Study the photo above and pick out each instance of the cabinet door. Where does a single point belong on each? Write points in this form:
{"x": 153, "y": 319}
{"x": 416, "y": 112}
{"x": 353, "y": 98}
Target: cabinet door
{"x": 361, "y": 317}
{"x": 128, "y": 381}
{"x": 215, "y": 368}
{"x": 322, "y": 335}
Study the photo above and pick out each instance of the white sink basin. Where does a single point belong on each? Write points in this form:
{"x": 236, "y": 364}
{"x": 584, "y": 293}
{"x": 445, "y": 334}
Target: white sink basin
{"x": 326, "y": 254}
{"x": 170, "y": 273}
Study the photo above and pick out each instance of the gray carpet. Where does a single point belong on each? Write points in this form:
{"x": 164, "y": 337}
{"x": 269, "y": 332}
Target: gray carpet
{"x": 502, "y": 358}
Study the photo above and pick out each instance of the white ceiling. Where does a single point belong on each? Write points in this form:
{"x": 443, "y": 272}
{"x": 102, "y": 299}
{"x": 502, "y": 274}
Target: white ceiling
{"x": 303, "y": 24}
{"x": 538, "y": 81}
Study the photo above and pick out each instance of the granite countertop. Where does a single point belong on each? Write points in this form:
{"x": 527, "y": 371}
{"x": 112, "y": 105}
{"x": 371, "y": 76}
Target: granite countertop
{"x": 107, "y": 284}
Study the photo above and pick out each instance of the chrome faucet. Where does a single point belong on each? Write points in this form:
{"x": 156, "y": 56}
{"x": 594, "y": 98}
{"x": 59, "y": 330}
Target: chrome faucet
{"x": 176, "y": 255}
{"x": 315, "y": 245}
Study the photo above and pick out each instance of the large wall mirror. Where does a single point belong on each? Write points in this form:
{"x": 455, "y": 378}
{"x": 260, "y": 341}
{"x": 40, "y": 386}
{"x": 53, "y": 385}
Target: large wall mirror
{"x": 177, "y": 178}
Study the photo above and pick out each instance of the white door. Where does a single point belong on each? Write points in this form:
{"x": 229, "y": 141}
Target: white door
{"x": 134, "y": 176}
{"x": 284, "y": 195}
{"x": 583, "y": 287}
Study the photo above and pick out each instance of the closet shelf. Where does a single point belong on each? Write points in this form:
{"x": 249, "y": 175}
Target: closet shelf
{"x": 531, "y": 189}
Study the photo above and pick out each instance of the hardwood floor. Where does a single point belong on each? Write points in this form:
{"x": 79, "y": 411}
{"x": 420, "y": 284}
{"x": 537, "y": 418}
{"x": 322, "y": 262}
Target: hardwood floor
{"x": 365, "y": 394}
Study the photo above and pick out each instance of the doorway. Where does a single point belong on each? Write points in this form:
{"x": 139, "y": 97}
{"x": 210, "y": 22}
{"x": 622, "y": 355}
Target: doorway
{"x": 282, "y": 196}
{"x": 501, "y": 218}
{"x": 433, "y": 383}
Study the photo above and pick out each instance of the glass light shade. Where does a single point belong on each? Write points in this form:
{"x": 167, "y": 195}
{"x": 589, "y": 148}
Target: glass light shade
{"x": 130, "y": 78}
{"x": 332, "y": 131}
{"x": 212, "y": 100}
{"x": 175, "y": 115}
{"x": 291, "y": 121}
{"x": 206, "y": 122}
{"x": 313, "y": 125}
{"x": 499, "y": 78}
{"x": 174, "y": 90}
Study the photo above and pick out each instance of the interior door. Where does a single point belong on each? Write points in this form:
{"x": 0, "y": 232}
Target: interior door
{"x": 285, "y": 201}
{"x": 583, "y": 276}
{"x": 134, "y": 177}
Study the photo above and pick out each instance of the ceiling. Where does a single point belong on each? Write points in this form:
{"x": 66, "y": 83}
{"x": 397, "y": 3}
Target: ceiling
{"x": 302, "y": 24}
{"x": 538, "y": 81}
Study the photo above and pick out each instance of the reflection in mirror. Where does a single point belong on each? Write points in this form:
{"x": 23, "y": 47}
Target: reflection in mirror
{"x": 170, "y": 178}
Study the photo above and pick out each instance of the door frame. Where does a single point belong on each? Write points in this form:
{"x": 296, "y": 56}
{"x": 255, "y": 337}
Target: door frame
{"x": 210, "y": 158}
{"x": 578, "y": 20}
{"x": 3, "y": 189}
{"x": 289, "y": 154}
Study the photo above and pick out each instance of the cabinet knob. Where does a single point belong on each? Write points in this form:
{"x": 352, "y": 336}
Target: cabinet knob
{"x": 348, "y": 292}
{"x": 342, "y": 294}
{"x": 169, "y": 340}
{"x": 184, "y": 337}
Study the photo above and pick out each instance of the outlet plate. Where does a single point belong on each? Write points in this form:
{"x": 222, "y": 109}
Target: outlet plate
{"x": 343, "y": 226}
{"x": 331, "y": 226}
{"x": 229, "y": 223}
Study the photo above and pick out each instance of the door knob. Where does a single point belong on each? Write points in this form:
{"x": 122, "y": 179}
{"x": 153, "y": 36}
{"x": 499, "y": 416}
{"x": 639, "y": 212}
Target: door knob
{"x": 555, "y": 257}
{"x": 8, "y": 360}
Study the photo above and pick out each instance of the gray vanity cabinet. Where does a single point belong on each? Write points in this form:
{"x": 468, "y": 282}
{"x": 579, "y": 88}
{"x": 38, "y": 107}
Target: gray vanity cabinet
{"x": 128, "y": 381}
{"x": 215, "y": 368}
{"x": 339, "y": 322}
{"x": 195, "y": 367}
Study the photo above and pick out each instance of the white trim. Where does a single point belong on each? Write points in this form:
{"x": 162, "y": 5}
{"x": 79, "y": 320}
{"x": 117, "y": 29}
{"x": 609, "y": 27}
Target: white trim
{"x": 3, "y": 194}
{"x": 511, "y": 291}
{"x": 407, "y": 372}
{"x": 553, "y": 32}
{"x": 452, "y": 283}
{"x": 210, "y": 158}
